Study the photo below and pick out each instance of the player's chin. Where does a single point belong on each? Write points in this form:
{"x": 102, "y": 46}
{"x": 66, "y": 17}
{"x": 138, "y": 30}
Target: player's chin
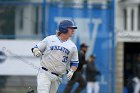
{"x": 71, "y": 35}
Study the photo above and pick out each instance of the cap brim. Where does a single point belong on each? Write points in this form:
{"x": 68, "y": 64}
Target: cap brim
{"x": 74, "y": 27}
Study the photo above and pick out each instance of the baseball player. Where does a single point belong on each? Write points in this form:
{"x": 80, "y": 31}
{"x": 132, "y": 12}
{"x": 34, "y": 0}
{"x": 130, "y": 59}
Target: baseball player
{"x": 58, "y": 54}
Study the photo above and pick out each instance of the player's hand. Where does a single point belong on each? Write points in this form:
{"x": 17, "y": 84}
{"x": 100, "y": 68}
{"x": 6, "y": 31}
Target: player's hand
{"x": 37, "y": 52}
{"x": 70, "y": 74}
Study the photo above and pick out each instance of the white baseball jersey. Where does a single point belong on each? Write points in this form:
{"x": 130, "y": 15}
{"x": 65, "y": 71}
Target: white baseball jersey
{"x": 57, "y": 54}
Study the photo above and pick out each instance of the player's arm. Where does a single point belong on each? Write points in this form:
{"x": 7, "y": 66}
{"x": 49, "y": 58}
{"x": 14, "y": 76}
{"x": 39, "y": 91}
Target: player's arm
{"x": 73, "y": 68}
{"x": 73, "y": 64}
{"x": 38, "y": 49}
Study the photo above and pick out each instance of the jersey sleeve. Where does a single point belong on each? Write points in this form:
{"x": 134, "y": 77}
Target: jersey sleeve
{"x": 42, "y": 45}
{"x": 74, "y": 59}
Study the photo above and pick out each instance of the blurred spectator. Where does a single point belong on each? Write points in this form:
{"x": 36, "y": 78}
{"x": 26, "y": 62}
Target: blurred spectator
{"x": 128, "y": 84}
{"x": 136, "y": 78}
{"x": 78, "y": 77}
{"x": 91, "y": 75}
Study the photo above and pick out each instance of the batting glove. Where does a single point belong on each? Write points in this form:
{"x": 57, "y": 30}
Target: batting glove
{"x": 37, "y": 52}
{"x": 70, "y": 74}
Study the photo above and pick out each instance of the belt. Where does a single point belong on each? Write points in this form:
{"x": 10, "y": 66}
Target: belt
{"x": 51, "y": 72}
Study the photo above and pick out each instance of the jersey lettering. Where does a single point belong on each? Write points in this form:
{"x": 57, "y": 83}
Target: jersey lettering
{"x": 65, "y": 59}
{"x": 63, "y": 49}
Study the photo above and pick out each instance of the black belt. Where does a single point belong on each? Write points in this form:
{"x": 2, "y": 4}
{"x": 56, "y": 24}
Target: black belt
{"x": 51, "y": 72}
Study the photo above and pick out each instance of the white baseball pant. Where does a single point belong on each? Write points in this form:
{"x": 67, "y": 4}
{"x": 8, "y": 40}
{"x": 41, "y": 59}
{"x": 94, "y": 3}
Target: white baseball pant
{"x": 137, "y": 85}
{"x": 93, "y": 86}
{"x": 47, "y": 82}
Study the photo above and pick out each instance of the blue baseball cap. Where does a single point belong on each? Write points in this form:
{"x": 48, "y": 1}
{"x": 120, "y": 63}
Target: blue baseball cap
{"x": 65, "y": 24}
{"x": 83, "y": 45}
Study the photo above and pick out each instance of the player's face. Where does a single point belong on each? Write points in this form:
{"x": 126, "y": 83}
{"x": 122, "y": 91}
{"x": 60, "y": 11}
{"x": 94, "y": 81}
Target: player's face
{"x": 85, "y": 49}
{"x": 70, "y": 31}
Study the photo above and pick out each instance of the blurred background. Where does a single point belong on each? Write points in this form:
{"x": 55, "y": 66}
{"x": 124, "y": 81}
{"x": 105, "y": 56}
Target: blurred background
{"x": 111, "y": 29}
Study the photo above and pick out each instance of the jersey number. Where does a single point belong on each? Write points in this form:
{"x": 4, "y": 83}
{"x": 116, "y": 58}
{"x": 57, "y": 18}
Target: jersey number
{"x": 65, "y": 59}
